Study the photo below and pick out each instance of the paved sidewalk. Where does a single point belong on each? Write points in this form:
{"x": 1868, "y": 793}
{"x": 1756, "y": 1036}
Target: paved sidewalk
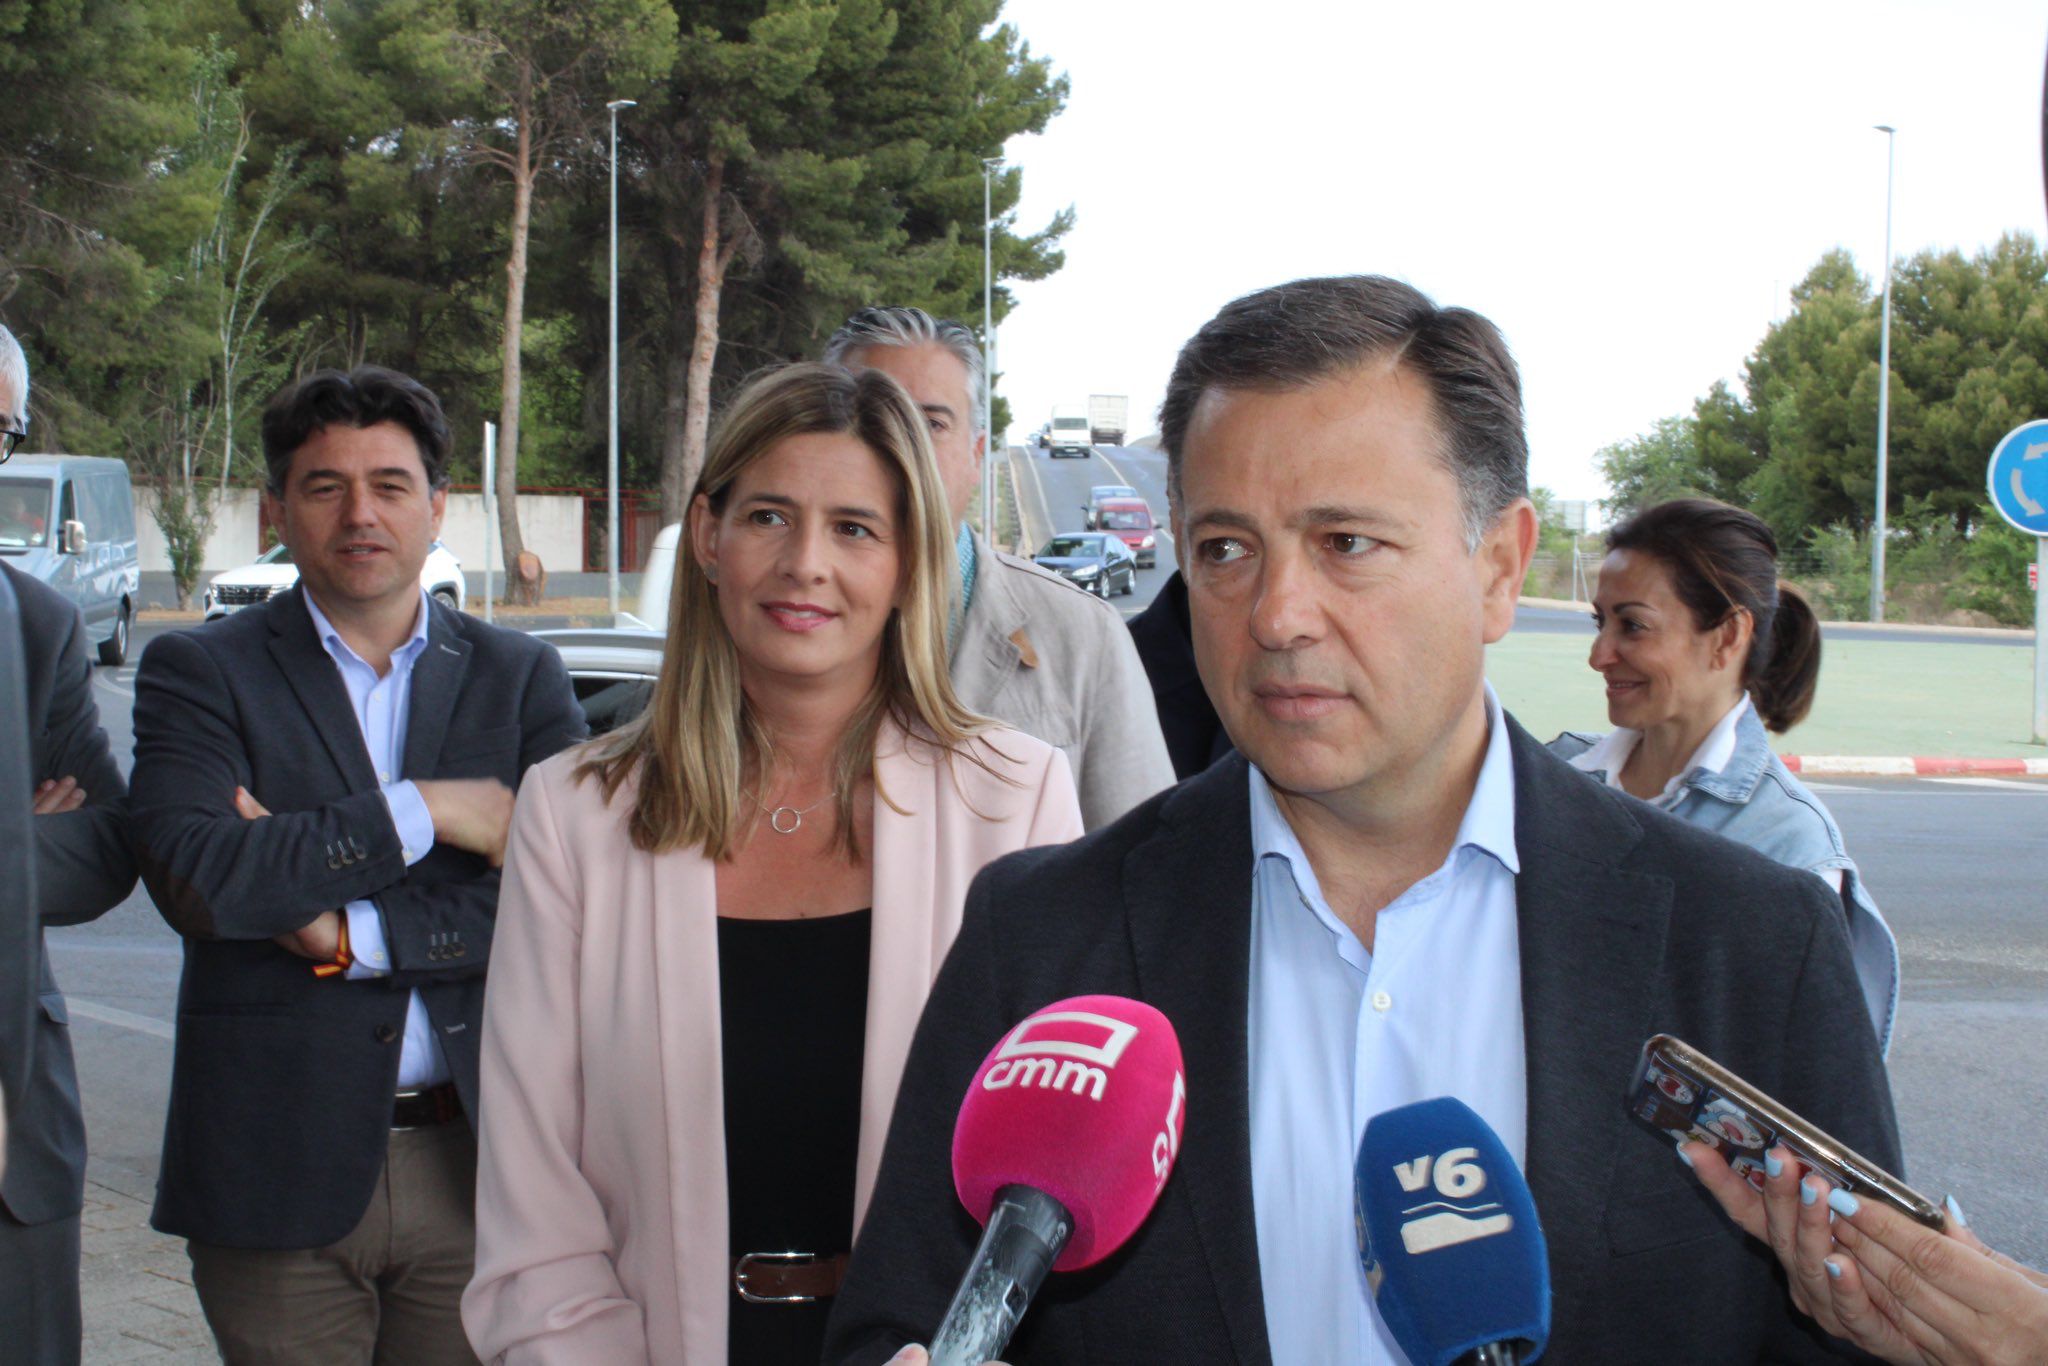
{"x": 139, "y": 1304}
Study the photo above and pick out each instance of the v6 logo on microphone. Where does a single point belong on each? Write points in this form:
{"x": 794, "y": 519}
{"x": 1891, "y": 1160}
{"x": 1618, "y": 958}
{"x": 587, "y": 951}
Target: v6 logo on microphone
{"x": 1459, "y": 1216}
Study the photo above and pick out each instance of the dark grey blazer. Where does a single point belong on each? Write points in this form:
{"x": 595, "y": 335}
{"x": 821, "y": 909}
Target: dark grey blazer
{"x": 21, "y": 938}
{"x": 1631, "y": 923}
{"x": 83, "y": 869}
{"x": 282, "y": 1082}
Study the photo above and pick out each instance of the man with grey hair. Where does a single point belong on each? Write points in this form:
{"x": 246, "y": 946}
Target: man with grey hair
{"x": 1390, "y": 893}
{"x": 82, "y": 869}
{"x": 1028, "y": 648}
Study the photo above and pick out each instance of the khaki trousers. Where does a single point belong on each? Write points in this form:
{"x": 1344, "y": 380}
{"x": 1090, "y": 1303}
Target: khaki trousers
{"x": 388, "y": 1294}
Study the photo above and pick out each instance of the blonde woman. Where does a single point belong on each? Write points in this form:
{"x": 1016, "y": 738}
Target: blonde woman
{"x": 718, "y": 925}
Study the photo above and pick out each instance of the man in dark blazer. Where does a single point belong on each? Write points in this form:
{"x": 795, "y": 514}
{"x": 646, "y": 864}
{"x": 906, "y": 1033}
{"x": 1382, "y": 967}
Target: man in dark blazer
{"x": 82, "y": 868}
{"x": 322, "y": 788}
{"x": 1348, "y": 478}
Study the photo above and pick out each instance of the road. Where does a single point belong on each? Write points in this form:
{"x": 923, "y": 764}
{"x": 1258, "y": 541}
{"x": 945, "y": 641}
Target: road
{"x": 1956, "y": 865}
{"x": 1052, "y": 495}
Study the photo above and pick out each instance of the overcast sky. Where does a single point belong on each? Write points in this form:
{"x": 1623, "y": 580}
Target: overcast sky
{"x": 1629, "y": 190}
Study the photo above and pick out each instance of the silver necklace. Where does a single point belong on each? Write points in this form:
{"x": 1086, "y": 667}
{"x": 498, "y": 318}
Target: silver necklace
{"x": 796, "y": 815}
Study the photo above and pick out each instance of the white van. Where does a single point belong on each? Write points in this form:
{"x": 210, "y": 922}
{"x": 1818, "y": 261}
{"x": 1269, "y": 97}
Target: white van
{"x": 69, "y": 520}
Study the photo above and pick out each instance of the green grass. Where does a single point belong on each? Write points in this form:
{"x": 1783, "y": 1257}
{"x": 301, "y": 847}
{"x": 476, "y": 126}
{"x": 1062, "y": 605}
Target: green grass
{"x": 1875, "y": 696}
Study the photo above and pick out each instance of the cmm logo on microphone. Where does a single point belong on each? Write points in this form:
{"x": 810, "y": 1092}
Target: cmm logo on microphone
{"x": 1030, "y": 1057}
{"x": 1459, "y": 1215}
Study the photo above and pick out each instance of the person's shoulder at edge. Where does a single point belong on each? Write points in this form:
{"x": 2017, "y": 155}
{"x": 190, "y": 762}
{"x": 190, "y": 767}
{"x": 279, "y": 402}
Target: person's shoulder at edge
{"x": 1750, "y": 893}
{"x": 235, "y": 632}
{"x": 1569, "y": 744}
{"x": 1809, "y": 808}
{"x": 1025, "y": 882}
{"x": 1047, "y": 587}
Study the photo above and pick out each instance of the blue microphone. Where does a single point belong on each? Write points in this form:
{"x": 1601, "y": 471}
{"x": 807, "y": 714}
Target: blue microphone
{"x": 1448, "y": 1233}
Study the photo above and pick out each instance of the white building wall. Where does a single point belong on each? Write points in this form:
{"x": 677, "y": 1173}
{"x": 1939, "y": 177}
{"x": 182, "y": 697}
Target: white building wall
{"x": 233, "y": 543}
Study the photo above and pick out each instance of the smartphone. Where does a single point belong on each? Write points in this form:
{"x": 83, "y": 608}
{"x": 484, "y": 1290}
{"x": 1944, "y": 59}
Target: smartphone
{"x": 1685, "y": 1095}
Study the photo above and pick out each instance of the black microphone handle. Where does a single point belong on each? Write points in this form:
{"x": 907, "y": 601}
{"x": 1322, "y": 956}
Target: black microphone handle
{"x": 1493, "y": 1354}
{"x": 1027, "y": 1229}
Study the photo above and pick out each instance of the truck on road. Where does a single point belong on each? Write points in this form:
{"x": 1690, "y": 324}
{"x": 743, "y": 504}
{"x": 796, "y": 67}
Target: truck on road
{"x": 1070, "y": 434}
{"x": 1108, "y": 416}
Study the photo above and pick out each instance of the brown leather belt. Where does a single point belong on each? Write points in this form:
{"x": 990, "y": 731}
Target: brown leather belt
{"x": 424, "y": 1109}
{"x": 787, "y": 1277}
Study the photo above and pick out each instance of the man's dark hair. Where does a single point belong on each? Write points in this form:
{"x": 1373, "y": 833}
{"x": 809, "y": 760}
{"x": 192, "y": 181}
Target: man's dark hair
{"x": 362, "y": 397}
{"x": 1296, "y": 334}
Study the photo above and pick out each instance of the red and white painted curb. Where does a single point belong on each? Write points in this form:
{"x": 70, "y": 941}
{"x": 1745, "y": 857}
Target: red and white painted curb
{"x": 1877, "y": 766}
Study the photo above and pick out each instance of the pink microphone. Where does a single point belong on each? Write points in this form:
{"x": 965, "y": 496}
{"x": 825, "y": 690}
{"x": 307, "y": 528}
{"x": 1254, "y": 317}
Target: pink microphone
{"x": 1067, "y": 1135}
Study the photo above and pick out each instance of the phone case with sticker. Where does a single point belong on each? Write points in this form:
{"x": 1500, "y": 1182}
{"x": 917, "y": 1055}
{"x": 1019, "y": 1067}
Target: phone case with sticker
{"x": 1682, "y": 1093}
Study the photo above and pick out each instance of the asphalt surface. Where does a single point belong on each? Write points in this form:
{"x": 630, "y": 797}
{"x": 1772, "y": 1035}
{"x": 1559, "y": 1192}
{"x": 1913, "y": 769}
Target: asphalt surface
{"x": 1052, "y": 497}
{"x": 1955, "y": 863}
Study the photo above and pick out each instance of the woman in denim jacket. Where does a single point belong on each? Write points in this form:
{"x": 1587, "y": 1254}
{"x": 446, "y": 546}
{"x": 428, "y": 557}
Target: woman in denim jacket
{"x": 1703, "y": 652}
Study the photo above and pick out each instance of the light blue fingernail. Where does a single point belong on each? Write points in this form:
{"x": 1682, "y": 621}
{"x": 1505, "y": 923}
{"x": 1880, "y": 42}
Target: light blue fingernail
{"x": 1684, "y": 1156}
{"x": 1772, "y": 1166}
{"x": 1808, "y": 1193}
{"x": 1843, "y": 1203}
{"x": 1955, "y": 1211}
{"x": 1834, "y": 1271}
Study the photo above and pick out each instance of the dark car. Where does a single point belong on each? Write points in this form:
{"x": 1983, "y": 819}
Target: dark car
{"x": 1098, "y": 562}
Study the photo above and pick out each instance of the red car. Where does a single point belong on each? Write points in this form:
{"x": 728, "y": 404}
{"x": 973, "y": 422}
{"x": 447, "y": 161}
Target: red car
{"x": 1131, "y": 521}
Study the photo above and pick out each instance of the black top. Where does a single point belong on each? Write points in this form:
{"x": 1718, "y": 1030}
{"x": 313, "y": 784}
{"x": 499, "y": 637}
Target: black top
{"x": 793, "y": 1001}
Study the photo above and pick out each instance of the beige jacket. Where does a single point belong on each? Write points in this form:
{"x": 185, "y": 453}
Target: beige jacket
{"x": 1053, "y": 661}
{"x": 601, "y": 1209}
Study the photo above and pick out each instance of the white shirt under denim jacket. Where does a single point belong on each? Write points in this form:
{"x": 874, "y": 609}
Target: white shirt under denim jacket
{"x": 1736, "y": 786}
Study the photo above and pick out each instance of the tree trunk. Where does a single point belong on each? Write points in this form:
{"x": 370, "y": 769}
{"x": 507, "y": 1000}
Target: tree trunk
{"x": 712, "y": 257}
{"x": 675, "y": 378}
{"x": 508, "y": 407}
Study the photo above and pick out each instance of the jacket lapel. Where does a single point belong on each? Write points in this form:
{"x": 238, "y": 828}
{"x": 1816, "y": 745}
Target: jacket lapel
{"x": 436, "y": 682}
{"x": 316, "y": 680}
{"x": 1592, "y": 942}
{"x": 985, "y": 655}
{"x": 1189, "y": 893}
{"x": 907, "y": 931}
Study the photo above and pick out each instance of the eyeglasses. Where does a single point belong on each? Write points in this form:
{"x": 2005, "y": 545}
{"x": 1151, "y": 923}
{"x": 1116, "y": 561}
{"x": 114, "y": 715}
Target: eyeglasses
{"x": 10, "y": 440}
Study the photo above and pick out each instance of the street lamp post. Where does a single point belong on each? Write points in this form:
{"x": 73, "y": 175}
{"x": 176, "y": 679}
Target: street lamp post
{"x": 611, "y": 446}
{"x": 1884, "y": 385}
{"x": 988, "y": 334}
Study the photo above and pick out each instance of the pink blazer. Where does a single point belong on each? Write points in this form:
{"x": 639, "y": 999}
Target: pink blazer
{"x": 601, "y": 1210}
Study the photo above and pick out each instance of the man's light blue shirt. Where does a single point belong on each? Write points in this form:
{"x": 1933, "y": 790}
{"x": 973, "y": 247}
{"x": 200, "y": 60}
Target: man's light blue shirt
{"x": 383, "y": 709}
{"x": 1337, "y": 1035}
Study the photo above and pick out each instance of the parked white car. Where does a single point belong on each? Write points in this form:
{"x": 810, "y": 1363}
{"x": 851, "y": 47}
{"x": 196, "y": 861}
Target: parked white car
{"x": 274, "y": 572}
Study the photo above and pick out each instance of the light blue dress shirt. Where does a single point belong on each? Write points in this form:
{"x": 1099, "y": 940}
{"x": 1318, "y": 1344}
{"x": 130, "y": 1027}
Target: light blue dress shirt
{"x": 383, "y": 708}
{"x": 1337, "y": 1035}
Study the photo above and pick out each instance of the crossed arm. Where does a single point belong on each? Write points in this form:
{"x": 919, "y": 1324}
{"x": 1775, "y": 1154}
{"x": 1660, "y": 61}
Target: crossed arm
{"x": 83, "y": 864}
{"x": 221, "y": 866}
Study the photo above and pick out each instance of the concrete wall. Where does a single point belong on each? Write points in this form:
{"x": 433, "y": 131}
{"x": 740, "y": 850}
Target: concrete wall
{"x": 234, "y": 540}
{"x": 551, "y": 523}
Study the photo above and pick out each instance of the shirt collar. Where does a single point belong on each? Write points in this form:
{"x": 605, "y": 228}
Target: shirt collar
{"x": 1488, "y": 824}
{"x": 330, "y": 639}
{"x": 1610, "y": 753}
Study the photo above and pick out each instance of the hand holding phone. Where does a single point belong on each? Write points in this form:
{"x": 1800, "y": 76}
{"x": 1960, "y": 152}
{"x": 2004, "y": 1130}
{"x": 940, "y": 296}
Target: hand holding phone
{"x": 1684, "y": 1094}
{"x": 1773, "y": 1172}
